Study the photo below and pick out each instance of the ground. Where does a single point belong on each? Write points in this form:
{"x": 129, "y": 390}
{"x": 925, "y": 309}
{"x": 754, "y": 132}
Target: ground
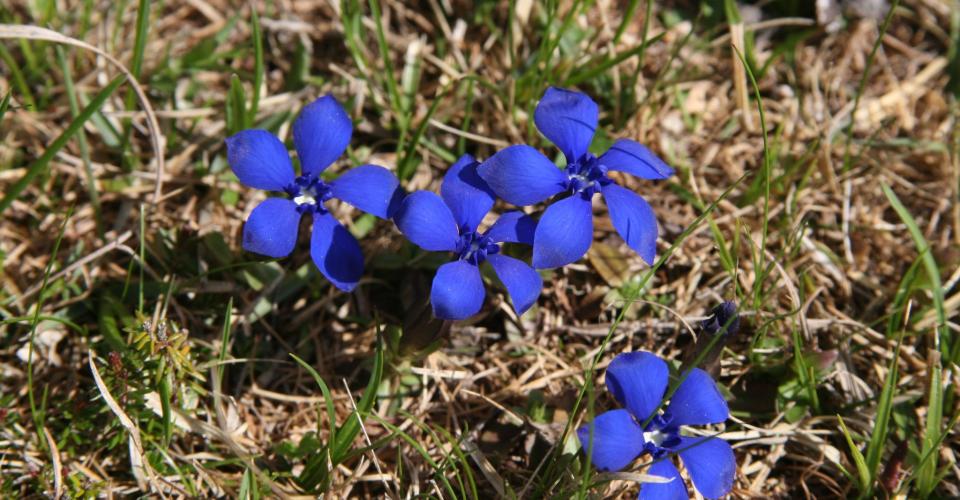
{"x": 817, "y": 183}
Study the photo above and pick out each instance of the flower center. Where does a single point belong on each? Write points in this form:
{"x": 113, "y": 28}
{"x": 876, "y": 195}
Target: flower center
{"x": 474, "y": 247}
{"x": 309, "y": 192}
{"x": 586, "y": 176}
{"x": 655, "y": 437}
{"x": 659, "y": 435}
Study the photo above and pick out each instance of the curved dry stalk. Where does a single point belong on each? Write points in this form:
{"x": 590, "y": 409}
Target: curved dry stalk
{"x": 18, "y": 31}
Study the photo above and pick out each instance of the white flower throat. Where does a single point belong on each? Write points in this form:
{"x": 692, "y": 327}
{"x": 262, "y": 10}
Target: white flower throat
{"x": 307, "y": 196}
{"x": 656, "y": 437}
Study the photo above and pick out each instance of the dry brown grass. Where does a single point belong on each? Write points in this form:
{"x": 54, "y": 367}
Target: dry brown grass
{"x": 838, "y": 250}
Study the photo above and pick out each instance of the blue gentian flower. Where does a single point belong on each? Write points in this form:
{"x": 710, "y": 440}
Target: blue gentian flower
{"x": 449, "y": 223}
{"x": 638, "y": 381}
{"x": 723, "y": 320}
{"x": 321, "y": 134}
{"x": 523, "y": 176}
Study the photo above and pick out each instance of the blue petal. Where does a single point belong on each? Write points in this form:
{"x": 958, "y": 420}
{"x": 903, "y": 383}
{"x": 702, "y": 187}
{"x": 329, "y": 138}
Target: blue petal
{"x": 674, "y": 490}
{"x": 711, "y": 464}
{"x": 426, "y": 221}
{"x": 522, "y": 282}
{"x": 336, "y": 252}
{"x": 467, "y": 195}
{"x": 513, "y": 227}
{"x": 638, "y": 380}
{"x": 370, "y": 188}
{"x": 568, "y": 119}
{"x": 457, "y": 291}
{"x": 272, "y": 228}
{"x": 635, "y": 159}
{"x": 697, "y": 402}
{"x": 634, "y": 220}
{"x": 617, "y": 440}
{"x": 522, "y": 175}
{"x": 564, "y": 233}
{"x": 321, "y": 134}
{"x": 259, "y": 160}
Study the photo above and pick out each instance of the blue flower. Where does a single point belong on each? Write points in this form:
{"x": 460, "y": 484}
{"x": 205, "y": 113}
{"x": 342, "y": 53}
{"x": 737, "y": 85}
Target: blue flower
{"x": 723, "y": 320}
{"x": 321, "y": 134}
{"x": 523, "y": 176}
{"x": 638, "y": 380}
{"x": 449, "y": 223}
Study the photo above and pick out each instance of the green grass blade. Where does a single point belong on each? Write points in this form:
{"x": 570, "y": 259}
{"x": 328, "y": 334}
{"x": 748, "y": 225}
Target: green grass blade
{"x": 545, "y": 73}
{"x": 248, "y": 486}
{"x": 44, "y": 317}
{"x": 936, "y": 446}
{"x": 318, "y": 467}
{"x": 141, "y": 264}
{"x": 881, "y": 425}
{"x": 847, "y": 158}
{"x": 81, "y": 138}
{"x": 455, "y": 446}
{"x": 19, "y": 80}
{"x": 34, "y": 414}
{"x": 904, "y": 290}
{"x": 767, "y": 167}
{"x": 164, "y": 390}
{"x": 351, "y": 426}
{"x": 406, "y": 166}
{"x": 926, "y": 471}
{"x": 225, "y": 340}
{"x": 251, "y": 115}
{"x": 4, "y": 105}
{"x": 953, "y": 53}
{"x": 627, "y": 17}
{"x": 236, "y": 106}
{"x": 929, "y": 264}
{"x": 863, "y": 474}
{"x": 136, "y": 64}
{"x": 467, "y": 118}
{"x": 325, "y": 390}
{"x": 393, "y": 90}
{"x": 438, "y": 470}
{"x": 602, "y": 67}
{"x": 41, "y": 163}
{"x": 806, "y": 375}
{"x": 140, "y": 40}
{"x": 449, "y": 462}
